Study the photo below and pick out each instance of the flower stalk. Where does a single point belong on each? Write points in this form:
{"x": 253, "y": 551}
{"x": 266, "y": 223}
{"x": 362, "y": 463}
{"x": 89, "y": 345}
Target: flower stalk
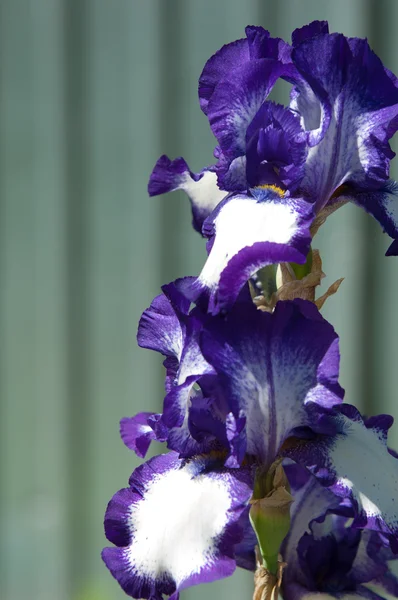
{"x": 270, "y": 514}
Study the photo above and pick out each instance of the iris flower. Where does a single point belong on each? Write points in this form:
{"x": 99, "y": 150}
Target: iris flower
{"x": 244, "y": 392}
{"x": 281, "y": 170}
{"x": 253, "y": 414}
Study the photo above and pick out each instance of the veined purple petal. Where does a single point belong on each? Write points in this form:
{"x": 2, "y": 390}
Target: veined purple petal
{"x": 312, "y": 502}
{"x": 166, "y": 327}
{"x": 309, "y": 31}
{"x": 270, "y": 366}
{"x": 180, "y": 405}
{"x": 355, "y": 463}
{"x": 383, "y": 206}
{"x": 160, "y": 328}
{"x": 222, "y": 65}
{"x": 231, "y": 173}
{"x": 262, "y": 45}
{"x": 326, "y": 557}
{"x": 210, "y": 426}
{"x": 352, "y": 87}
{"x": 336, "y": 565}
{"x": 236, "y": 100}
{"x": 177, "y": 403}
{"x": 138, "y": 432}
{"x": 176, "y": 526}
{"x": 247, "y": 233}
{"x": 219, "y": 66}
{"x": 276, "y": 148}
{"x": 201, "y": 188}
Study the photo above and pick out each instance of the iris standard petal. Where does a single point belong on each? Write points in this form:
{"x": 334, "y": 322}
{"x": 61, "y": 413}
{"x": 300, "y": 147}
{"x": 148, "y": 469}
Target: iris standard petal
{"x": 262, "y": 45}
{"x": 309, "y": 31}
{"x": 270, "y": 366}
{"x": 276, "y": 148}
{"x": 353, "y": 88}
{"x": 219, "y": 66}
{"x": 237, "y": 99}
{"x": 257, "y": 45}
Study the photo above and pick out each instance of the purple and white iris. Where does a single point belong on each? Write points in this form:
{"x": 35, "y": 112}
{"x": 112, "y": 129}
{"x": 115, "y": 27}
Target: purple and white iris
{"x": 252, "y": 401}
{"x": 278, "y": 167}
{"x": 257, "y": 387}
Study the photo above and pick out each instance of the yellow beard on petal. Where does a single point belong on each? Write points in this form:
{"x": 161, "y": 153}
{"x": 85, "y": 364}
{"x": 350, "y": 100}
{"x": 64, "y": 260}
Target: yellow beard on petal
{"x": 273, "y": 188}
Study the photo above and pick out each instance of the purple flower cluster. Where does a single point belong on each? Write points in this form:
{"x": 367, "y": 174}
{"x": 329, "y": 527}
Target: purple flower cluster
{"x": 250, "y": 390}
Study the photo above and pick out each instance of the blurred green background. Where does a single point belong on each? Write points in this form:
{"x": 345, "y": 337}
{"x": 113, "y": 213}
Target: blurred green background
{"x": 91, "y": 93}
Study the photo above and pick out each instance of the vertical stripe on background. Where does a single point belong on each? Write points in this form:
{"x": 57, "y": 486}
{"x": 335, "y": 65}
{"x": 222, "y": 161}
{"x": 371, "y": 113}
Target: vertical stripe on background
{"x": 79, "y": 431}
{"x": 33, "y": 284}
{"x": 173, "y": 39}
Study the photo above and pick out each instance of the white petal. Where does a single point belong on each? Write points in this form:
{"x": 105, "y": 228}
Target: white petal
{"x": 242, "y": 222}
{"x": 177, "y": 523}
{"x": 205, "y": 193}
{"x": 364, "y": 466}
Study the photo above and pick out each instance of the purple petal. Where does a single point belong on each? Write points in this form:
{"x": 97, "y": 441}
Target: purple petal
{"x": 219, "y": 66}
{"x": 393, "y": 249}
{"x": 202, "y": 188}
{"x": 245, "y": 551}
{"x": 360, "y": 99}
{"x": 383, "y": 206}
{"x": 179, "y": 405}
{"x": 192, "y": 366}
{"x": 237, "y": 99}
{"x": 262, "y": 45}
{"x": 259, "y": 44}
{"x": 177, "y": 525}
{"x": 270, "y": 366}
{"x": 208, "y": 422}
{"x": 231, "y": 173}
{"x": 276, "y": 148}
{"x": 326, "y": 557}
{"x": 312, "y": 502}
{"x": 309, "y": 31}
{"x": 138, "y": 432}
{"x": 160, "y": 329}
{"x": 355, "y": 463}
{"x": 167, "y": 327}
